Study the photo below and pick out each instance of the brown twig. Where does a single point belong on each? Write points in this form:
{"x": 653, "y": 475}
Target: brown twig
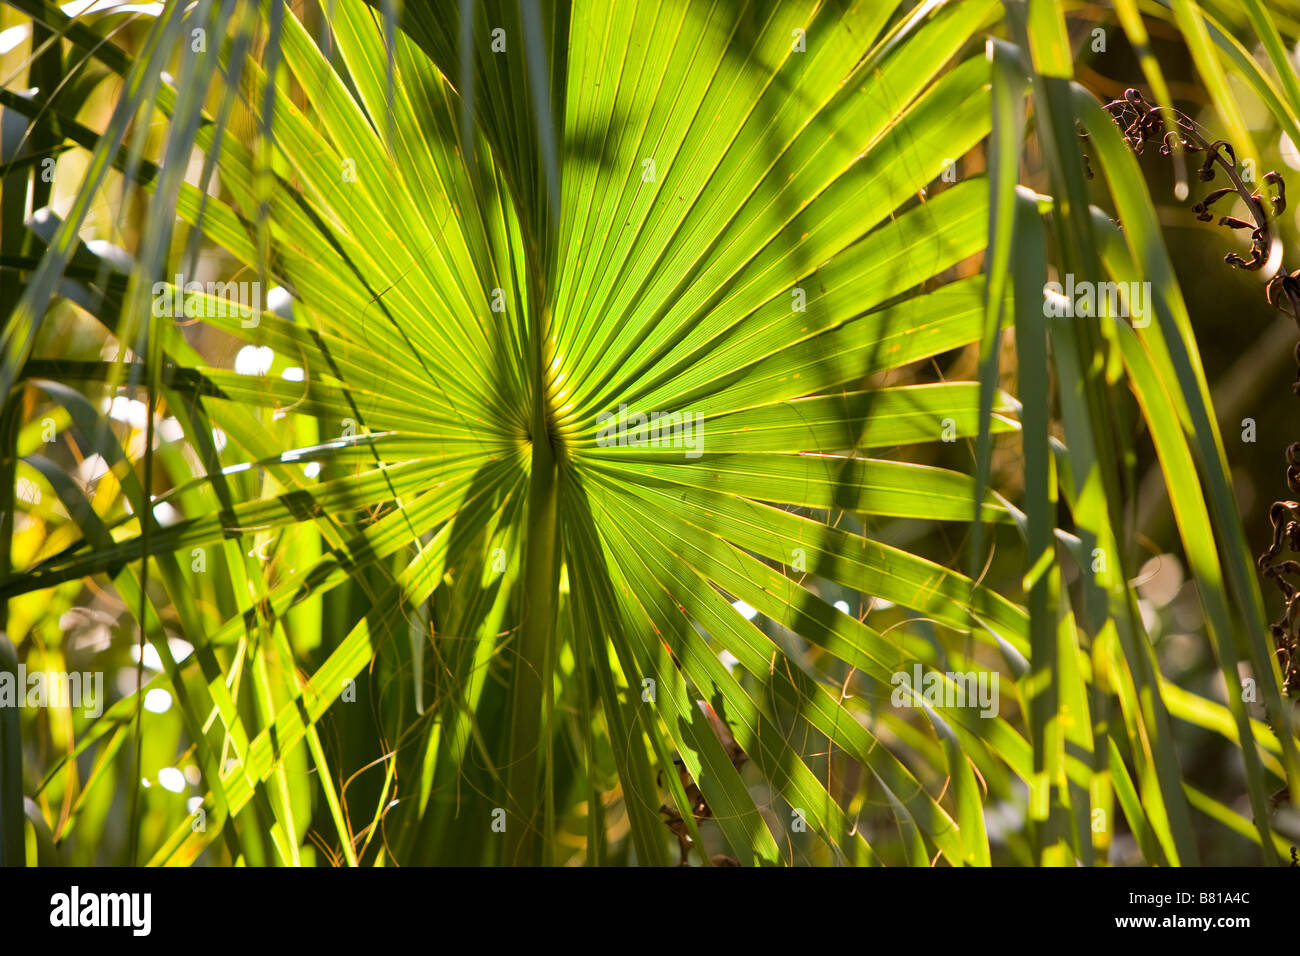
{"x": 1143, "y": 124}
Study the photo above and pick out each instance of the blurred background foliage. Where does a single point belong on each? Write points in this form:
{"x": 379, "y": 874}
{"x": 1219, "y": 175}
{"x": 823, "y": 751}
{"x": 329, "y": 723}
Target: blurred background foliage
{"x": 401, "y": 769}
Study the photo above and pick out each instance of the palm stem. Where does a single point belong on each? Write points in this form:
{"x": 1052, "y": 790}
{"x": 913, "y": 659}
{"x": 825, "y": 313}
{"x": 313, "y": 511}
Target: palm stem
{"x": 528, "y": 723}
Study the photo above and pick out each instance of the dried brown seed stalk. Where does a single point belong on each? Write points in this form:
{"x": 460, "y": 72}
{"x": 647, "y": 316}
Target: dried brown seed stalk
{"x": 1143, "y": 123}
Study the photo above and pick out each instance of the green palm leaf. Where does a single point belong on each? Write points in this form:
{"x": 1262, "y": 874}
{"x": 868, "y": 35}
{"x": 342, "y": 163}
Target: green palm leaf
{"x": 417, "y": 553}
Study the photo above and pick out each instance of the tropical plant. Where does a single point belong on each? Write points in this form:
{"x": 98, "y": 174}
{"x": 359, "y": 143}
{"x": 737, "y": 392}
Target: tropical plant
{"x": 389, "y": 567}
